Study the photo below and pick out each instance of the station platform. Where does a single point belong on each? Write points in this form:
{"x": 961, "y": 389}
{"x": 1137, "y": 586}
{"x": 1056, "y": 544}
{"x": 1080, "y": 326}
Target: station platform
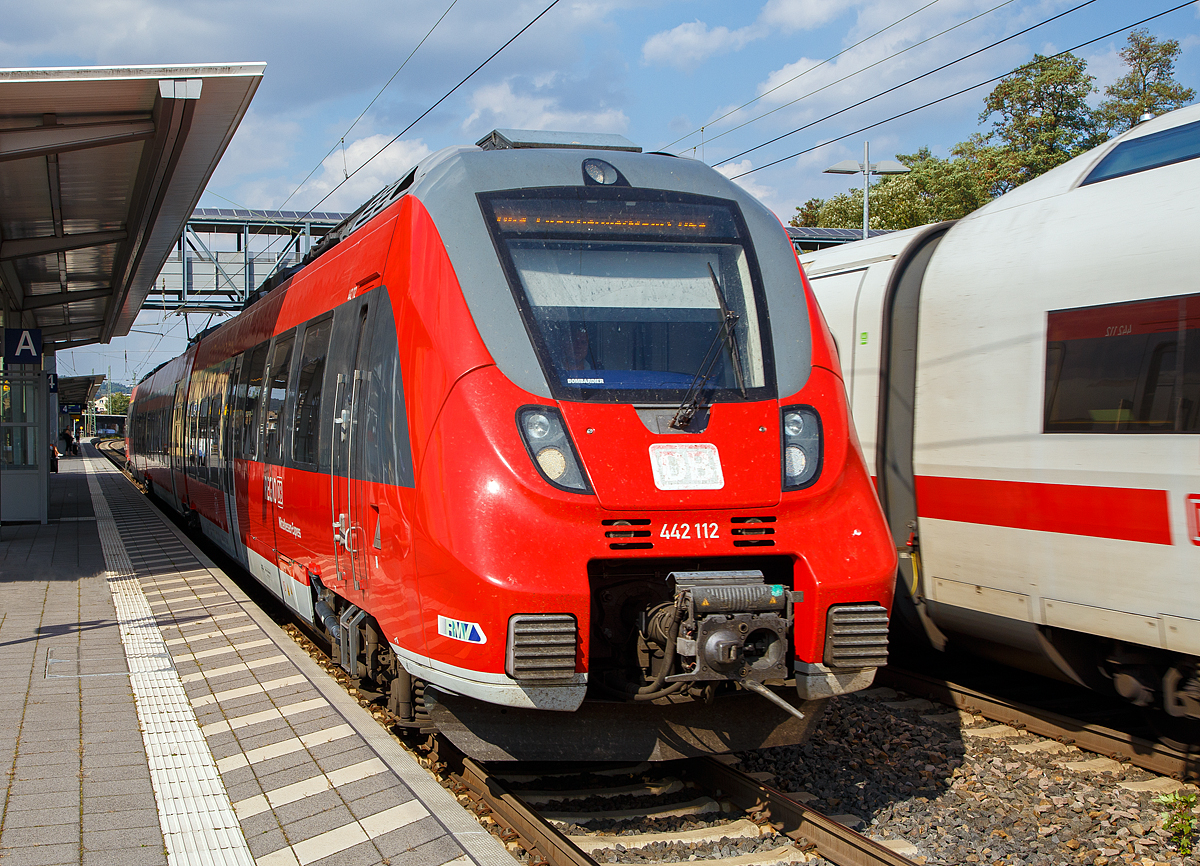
{"x": 151, "y": 714}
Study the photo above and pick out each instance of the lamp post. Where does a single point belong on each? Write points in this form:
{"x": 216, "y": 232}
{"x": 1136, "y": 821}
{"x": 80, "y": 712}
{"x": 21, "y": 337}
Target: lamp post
{"x": 867, "y": 168}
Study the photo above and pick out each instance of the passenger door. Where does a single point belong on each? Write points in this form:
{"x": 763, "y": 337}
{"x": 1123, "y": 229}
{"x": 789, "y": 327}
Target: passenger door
{"x": 231, "y": 432}
{"x": 178, "y": 444}
{"x": 247, "y": 471}
{"x": 351, "y": 378}
{"x": 270, "y": 495}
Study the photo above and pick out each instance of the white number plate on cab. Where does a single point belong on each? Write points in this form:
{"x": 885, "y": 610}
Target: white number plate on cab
{"x": 686, "y": 466}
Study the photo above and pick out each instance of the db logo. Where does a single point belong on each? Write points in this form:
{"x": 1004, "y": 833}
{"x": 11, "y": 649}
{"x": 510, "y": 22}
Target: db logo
{"x": 1193, "y": 517}
{"x": 273, "y": 489}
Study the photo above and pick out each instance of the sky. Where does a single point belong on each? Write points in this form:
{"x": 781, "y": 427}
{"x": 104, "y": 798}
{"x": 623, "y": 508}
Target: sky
{"x": 706, "y": 79}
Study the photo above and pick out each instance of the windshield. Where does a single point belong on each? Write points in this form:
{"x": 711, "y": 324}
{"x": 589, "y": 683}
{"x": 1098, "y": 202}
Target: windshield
{"x": 618, "y": 295}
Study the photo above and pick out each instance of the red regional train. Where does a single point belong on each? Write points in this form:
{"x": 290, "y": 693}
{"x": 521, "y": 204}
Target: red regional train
{"x": 550, "y": 439}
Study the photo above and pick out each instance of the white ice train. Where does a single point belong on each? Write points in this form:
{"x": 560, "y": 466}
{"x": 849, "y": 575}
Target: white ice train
{"x": 1026, "y": 385}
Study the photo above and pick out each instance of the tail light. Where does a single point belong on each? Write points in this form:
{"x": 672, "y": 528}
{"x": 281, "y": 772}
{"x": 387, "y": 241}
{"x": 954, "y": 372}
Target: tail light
{"x": 801, "y": 446}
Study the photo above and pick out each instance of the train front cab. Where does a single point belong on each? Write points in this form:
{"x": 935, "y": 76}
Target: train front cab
{"x": 558, "y": 506}
{"x": 473, "y": 463}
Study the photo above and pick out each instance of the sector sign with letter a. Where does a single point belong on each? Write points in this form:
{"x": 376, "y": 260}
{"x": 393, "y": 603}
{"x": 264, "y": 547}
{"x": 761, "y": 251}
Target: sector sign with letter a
{"x": 22, "y": 346}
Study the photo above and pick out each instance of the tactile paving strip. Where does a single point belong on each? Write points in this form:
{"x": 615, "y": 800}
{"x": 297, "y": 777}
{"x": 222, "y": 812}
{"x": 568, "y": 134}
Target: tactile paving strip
{"x": 298, "y": 757}
{"x": 198, "y": 822}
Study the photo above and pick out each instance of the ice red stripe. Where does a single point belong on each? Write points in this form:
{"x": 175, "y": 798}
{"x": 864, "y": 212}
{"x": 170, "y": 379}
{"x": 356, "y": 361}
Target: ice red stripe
{"x": 1159, "y": 316}
{"x": 1130, "y": 514}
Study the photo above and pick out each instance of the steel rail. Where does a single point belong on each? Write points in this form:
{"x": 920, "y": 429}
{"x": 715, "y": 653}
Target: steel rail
{"x": 833, "y": 841}
{"x": 537, "y": 836}
{"x": 1118, "y": 745}
{"x": 548, "y": 846}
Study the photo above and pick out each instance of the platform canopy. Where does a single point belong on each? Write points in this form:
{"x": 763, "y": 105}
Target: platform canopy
{"x": 100, "y": 170}
{"x": 79, "y": 390}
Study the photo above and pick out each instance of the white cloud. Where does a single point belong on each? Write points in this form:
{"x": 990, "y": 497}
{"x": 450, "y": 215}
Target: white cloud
{"x": 790, "y": 15}
{"x": 1107, "y": 66}
{"x": 763, "y": 193}
{"x": 388, "y": 166}
{"x": 263, "y": 143}
{"x": 688, "y": 45}
{"x": 498, "y": 105}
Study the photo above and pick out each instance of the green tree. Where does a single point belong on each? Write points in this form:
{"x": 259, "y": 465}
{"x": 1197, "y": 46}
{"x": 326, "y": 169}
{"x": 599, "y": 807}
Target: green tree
{"x": 1042, "y": 119}
{"x": 807, "y": 214}
{"x": 896, "y": 203}
{"x": 987, "y": 169}
{"x": 1148, "y": 87}
{"x": 117, "y": 403}
{"x": 935, "y": 189}
{"x": 1043, "y": 116}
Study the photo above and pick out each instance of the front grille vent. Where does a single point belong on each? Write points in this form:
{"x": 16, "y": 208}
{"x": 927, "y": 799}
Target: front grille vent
{"x": 751, "y": 531}
{"x": 856, "y": 636}
{"x": 627, "y": 531}
{"x": 541, "y": 647}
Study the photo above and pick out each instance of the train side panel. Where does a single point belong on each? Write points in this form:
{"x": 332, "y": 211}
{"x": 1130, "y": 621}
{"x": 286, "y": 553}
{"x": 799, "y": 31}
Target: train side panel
{"x": 1041, "y": 457}
{"x": 1079, "y": 515}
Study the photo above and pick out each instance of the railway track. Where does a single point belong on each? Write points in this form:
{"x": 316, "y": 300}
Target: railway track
{"x": 1157, "y": 757}
{"x": 596, "y": 819}
{"x": 581, "y": 815}
{"x": 543, "y": 822}
{"x": 577, "y": 815}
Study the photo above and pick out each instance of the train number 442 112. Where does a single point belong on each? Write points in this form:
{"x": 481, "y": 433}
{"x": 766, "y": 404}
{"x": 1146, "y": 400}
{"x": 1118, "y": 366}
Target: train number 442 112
{"x": 689, "y": 530}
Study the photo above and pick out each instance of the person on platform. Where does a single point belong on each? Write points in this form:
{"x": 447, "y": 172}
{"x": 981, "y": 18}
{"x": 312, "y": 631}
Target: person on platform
{"x": 67, "y": 439}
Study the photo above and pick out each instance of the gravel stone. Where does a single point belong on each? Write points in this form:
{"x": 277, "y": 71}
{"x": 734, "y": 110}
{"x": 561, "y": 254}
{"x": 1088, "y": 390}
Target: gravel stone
{"x": 968, "y": 799}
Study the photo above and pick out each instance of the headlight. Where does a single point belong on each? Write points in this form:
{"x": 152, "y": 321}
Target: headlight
{"x": 545, "y": 437}
{"x": 537, "y": 425}
{"x": 801, "y": 446}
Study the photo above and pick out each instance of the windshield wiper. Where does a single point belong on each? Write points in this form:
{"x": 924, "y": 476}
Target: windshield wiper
{"x": 691, "y": 400}
{"x": 730, "y": 319}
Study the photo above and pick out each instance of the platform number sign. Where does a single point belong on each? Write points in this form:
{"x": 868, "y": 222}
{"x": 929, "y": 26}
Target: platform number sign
{"x": 22, "y": 346}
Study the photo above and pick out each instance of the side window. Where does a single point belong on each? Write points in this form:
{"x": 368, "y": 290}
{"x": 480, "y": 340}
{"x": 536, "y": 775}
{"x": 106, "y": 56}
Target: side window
{"x": 307, "y": 424}
{"x": 238, "y": 376}
{"x": 191, "y": 446}
{"x": 274, "y": 397}
{"x": 1177, "y": 144}
{"x": 387, "y": 453}
{"x": 1124, "y": 368}
{"x": 216, "y": 424}
{"x": 252, "y": 408}
{"x": 202, "y": 430}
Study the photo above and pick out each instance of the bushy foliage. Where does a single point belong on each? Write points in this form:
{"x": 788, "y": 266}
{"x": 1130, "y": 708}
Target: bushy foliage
{"x": 1148, "y": 87}
{"x": 1040, "y": 119}
{"x": 116, "y": 403}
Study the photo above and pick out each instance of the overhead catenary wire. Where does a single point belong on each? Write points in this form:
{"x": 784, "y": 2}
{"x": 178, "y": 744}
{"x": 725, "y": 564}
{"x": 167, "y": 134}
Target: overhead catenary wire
{"x": 805, "y": 72}
{"x": 896, "y": 87}
{"x": 964, "y": 90}
{"x": 442, "y": 99}
{"x": 879, "y": 62}
{"x": 342, "y": 140}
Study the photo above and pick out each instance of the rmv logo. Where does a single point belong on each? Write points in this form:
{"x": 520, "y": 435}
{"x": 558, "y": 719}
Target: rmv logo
{"x": 467, "y": 632}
